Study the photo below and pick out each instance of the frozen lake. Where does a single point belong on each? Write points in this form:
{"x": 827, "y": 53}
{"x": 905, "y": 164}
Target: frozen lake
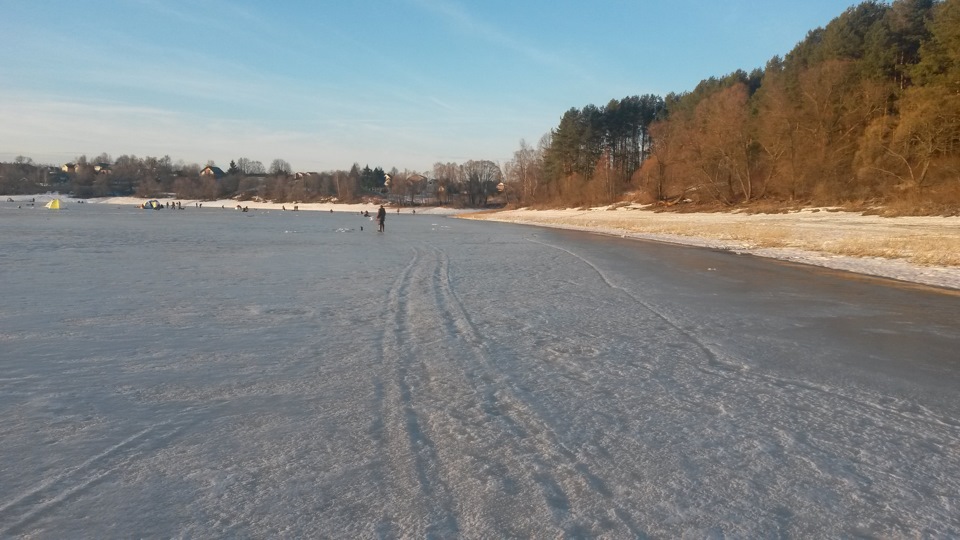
{"x": 212, "y": 373}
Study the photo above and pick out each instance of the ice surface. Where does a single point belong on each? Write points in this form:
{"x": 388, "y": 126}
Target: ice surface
{"x": 210, "y": 373}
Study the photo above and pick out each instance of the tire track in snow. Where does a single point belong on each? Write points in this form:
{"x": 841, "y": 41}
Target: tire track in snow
{"x": 52, "y": 493}
{"x": 568, "y": 486}
{"x": 420, "y": 504}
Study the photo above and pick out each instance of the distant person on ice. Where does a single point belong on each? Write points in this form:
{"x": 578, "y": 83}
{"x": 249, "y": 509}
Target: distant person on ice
{"x": 381, "y": 217}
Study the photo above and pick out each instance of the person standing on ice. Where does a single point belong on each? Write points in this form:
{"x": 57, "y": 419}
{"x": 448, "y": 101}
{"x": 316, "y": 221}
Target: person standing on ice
{"x": 381, "y": 217}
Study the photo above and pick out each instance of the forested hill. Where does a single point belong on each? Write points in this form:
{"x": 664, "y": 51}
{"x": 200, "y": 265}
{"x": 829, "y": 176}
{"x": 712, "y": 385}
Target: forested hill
{"x": 865, "y": 110}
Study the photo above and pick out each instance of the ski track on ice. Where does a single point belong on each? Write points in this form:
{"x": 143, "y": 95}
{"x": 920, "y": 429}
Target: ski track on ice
{"x": 556, "y": 468}
{"x": 713, "y": 356}
{"x": 412, "y": 470}
{"x": 831, "y": 449}
{"x": 734, "y": 368}
{"x": 458, "y": 433}
{"x": 50, "y": 494}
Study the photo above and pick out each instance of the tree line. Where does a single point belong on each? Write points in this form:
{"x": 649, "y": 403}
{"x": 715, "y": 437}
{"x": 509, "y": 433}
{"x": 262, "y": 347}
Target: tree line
{"x": 152, "y": 177}
{"x": 865, "y": 110}
{"x": 469, "y": 184}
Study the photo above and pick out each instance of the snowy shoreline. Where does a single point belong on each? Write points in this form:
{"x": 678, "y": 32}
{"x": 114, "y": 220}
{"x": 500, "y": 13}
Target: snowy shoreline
{"x": 741, "y": 233}
{"x": 231, "y": 204}
{"x": 713, "y": 230}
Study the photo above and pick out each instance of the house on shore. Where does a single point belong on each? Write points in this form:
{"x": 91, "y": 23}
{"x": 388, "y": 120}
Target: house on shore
{"x": 211, "y": 170}
{"x": 77, "y": 168}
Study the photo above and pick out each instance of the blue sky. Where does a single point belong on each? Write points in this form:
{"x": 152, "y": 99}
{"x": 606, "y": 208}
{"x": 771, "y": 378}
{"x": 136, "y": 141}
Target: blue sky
{"x": 324, "y": 84}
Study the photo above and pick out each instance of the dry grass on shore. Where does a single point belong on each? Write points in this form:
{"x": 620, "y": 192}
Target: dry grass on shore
{"x": 927, "y": 250}
{"x": 931, "y": 241}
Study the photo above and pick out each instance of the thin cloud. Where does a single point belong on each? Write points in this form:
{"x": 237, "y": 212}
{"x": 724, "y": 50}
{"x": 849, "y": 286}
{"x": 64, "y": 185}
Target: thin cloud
{"x": 95, "y": 126}
{"x": 467, "y": 23}
{"x": 219, "y": 17}
{"x": 442, "y": 104}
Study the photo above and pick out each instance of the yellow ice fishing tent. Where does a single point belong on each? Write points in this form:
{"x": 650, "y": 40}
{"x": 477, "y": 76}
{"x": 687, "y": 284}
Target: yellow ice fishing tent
{"x": 54, "y": 204}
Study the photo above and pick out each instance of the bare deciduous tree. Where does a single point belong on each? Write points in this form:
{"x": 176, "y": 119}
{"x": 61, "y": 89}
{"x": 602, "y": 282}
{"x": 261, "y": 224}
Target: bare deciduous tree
{"x": 481, "y": 178}
{"x": 280, "y": 167}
